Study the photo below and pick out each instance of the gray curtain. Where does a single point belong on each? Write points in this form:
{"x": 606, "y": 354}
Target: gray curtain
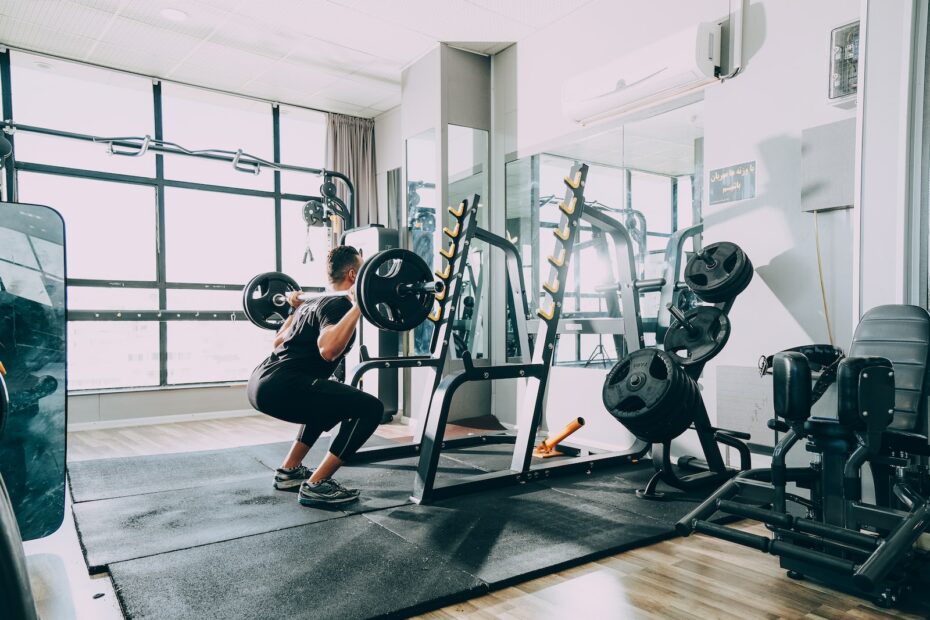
{"x": 350, "y": 149}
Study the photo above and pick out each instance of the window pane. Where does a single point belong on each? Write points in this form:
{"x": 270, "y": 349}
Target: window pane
{"x": 204, "y": 300}
{"x": 685, "y": 202}
{"x": 216, "y": 237}
{"x": 112, "y": 354}
{"x": 652, "y": 195}
{"x": 308, "y": 268}
{"x": 110, "y": 227}
{"x": 107, "y": 298}
{"x": 199, "y": 119}
{"x": 79, "y": 98}
{"x": 204, "y": 351}
{"x": 303, "y": 143}
{"x": 57, "y": 94}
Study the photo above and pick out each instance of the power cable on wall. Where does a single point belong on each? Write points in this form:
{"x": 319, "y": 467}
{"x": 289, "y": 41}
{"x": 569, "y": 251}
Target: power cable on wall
{"x": 823, "y": 288}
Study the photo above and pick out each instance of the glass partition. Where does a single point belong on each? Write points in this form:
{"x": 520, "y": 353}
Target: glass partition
{"x": 33, "y": 351}
{"x": 467, "y": 165}
{"x": 422, "y": 204}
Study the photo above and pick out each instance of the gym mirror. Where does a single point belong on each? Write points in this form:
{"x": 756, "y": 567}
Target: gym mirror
{"x": 33, "y": 352}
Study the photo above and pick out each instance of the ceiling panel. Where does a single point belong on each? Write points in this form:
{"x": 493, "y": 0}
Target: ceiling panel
{"x": 286, "y": 50}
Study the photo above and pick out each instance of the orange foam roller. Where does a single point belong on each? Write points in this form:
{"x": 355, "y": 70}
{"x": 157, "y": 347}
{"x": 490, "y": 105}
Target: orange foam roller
{"x": 547, "y": 446}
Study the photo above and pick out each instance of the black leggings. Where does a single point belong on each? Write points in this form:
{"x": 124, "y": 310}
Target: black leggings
{"x": 318, "y": 405}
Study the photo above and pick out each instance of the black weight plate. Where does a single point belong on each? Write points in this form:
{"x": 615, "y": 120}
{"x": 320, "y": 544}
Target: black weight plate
{"x": 712, "y": 330}
{"x": 258, "y": 299}
{"x": 314, "y": 213}
{"x": 4, "y": 404}
{"x": 359, "y": 297}
{"x": 638, "y": 386}
{"x": 733, "y": 288}
{"x": 678, "y": 420}
{"x": 653, "y": 427}
{"x": 707, "y": 280}
{"x": 385, "y": 305}
{"x": 328, "y": 189}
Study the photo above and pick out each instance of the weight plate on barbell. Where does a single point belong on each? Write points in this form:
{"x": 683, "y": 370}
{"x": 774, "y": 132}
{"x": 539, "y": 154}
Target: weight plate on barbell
{"x": 711, "y": 330}
{"x": 719, "y": 273}
{"x": 380, "y": 290}
{"x": 260, "y": 299}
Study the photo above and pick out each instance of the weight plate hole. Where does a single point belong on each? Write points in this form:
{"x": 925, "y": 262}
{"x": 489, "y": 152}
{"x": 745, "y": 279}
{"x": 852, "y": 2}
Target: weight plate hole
{"x": 657, "y": 369}
{"x": 631, "y": 403}
{"x": 730, "y": 263}
{"x": 699, "y": 279}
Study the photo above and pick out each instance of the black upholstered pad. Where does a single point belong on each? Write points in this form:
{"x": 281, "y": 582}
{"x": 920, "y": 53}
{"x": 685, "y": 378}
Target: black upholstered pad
{"x": 343, "y": 568}
{"x": 517, "y": 533}
{"x": 901, "y": 334}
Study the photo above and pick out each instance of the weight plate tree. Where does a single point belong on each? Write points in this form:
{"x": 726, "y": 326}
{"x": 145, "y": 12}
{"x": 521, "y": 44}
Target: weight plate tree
{"x": 719, "y": 273}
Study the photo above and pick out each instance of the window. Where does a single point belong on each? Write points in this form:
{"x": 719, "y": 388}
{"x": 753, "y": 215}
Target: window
{"x": 55, "y": 94}
{"x": 117, "y": 216}
{"x": 303, "y": 143}
{"x": 199, "y": 119}
{"x": 217, "y": 237}
{"x": 142, "y": 242}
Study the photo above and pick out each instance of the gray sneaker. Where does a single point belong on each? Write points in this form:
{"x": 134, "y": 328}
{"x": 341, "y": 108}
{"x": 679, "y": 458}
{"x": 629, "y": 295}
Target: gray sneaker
{"x": 325, "y": 493}
{"x": 291, "y": 479}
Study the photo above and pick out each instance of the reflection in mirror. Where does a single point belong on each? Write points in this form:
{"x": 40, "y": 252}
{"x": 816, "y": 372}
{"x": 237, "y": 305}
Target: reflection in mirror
{"x": 33, "y": 352}
{"x": 422, "y": 202}
{"x": 468, "y": 164}
{"x": 643, "y": 174}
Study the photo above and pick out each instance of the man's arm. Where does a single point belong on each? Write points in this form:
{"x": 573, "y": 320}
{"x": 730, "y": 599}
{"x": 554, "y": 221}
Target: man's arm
{"x": 279, "y": 337}
{"x": 334, "y": 338}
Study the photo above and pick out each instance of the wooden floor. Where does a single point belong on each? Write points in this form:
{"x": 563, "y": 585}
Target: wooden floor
{"x": 691, "y": 578}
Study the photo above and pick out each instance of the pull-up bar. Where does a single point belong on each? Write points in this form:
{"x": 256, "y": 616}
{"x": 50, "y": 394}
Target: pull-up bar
{"x": 136, "y": 146}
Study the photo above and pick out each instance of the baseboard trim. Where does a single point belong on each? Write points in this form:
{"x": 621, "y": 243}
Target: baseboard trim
{"x": 97, "y": 425}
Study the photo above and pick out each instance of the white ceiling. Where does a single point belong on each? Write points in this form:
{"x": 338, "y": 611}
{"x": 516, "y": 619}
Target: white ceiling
{"x": 338, "y": 55}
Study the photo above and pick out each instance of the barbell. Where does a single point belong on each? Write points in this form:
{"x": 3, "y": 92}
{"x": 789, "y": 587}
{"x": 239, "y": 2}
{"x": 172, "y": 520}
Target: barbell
{"x": 394, "y": 290}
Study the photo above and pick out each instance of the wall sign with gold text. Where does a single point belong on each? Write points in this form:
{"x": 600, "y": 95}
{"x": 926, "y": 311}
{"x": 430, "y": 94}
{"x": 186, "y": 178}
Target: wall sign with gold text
{"x": 733, "y": 183}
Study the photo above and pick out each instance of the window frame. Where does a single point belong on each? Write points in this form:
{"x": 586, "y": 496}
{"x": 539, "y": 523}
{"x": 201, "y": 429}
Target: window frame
{"x": 159, "y": 183}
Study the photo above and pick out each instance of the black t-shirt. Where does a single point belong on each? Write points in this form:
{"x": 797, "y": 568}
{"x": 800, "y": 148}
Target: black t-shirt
{"x": 299, "y": 350}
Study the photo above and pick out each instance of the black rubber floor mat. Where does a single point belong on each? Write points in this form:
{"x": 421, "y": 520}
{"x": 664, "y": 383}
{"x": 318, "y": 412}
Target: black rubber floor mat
{"x": 136, "y": 526}
{"x": 517, "y": 533}
{"x": 345, "y": 568}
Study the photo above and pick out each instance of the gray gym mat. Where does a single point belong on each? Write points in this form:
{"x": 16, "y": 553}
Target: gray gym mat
{"x": 518, "y": 533}
{"x": 344, "y": 568}
{"x": 137, "y": 526}
{"x": 136, "y": 475}
{"x": 616, "y": 488}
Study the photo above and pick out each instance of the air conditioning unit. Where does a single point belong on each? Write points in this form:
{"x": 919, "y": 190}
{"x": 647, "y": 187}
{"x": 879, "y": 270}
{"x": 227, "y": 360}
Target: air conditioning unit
{"x": 668, "y": 68}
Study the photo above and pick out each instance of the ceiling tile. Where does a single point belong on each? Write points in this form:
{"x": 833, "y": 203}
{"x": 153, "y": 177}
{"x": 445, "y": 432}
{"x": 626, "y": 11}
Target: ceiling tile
{"x": 34, "y": 37}
{"x": 133, "y": 34}
{"x": 535, "y": 13}
{"x": 330, "y": 56}
{"x": 333, "y": 105}
{"x": 201, "y": 19}
{"x": 450, "y": 20}
{"x": 241, "y": 33}
{"x": 294, "y": 75}
{"x": 364, "y": 93}
{"x": 223, "y": 67}
{"x": 59, "y": 16}
{"x": 135, "y": 59}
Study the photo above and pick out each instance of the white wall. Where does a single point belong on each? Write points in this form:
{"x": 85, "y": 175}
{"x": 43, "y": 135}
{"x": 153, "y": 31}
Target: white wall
{"x": 597, "y": 33}
{"x": 759, "y": 115}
